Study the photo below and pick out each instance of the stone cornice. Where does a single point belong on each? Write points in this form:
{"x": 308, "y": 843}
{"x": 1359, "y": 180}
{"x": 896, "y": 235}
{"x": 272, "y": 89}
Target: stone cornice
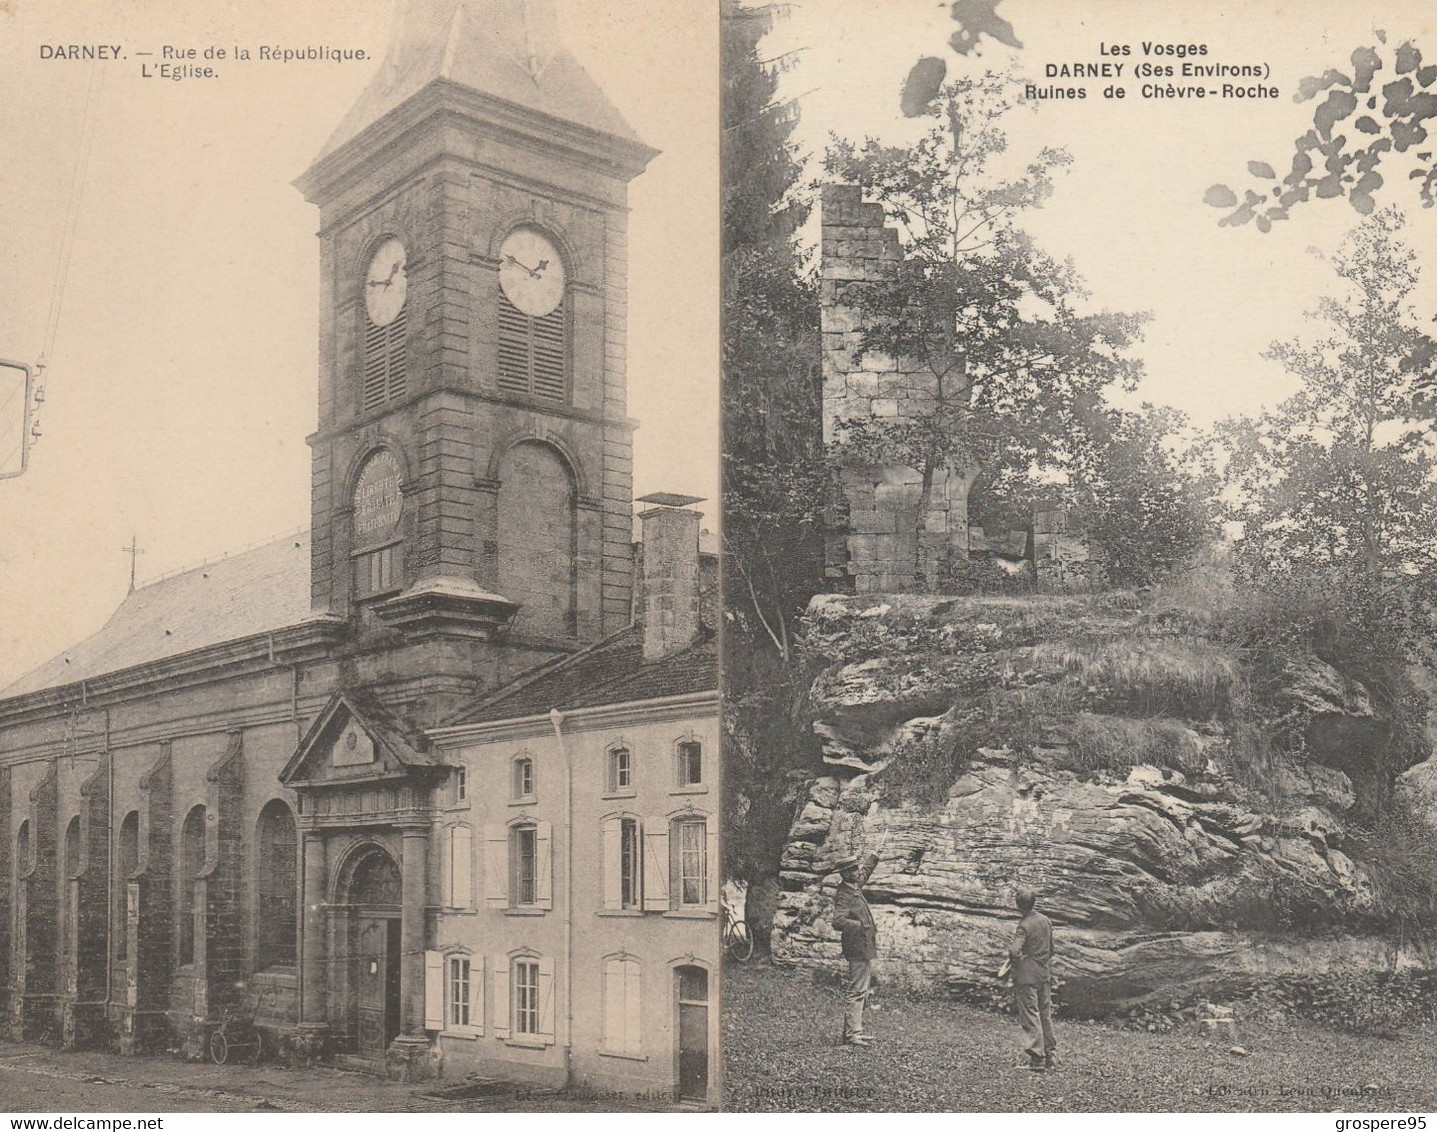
{"x": 495, "y": 117}
{"x": 307, "y": 640}
{"x": 700, "y": 704}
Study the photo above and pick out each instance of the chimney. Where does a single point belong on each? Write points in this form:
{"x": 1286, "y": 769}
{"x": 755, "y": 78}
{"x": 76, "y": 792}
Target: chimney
{"x": 669, "y": 607}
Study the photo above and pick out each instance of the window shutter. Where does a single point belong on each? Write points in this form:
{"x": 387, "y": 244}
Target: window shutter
{"x": 502, "y": 1004}
{"x": 461, "y": 867}
{"x": 478, "y": 968}
{"x": 544, "y": 864}
{"x": 434, "y": 990}
{"x": 633, "y": 1002}
{"x": 656, "y": 870}
{"x": 546, "y": 998}
{"x": 711, "y": 866}
{"x": 611, "y": 848}
{"x": 614, "y": 1012}
{"x": 496, "y": 867}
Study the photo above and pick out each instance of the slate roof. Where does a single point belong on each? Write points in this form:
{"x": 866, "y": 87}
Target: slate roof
{"x": 611, "y": 671}
{"x": 508, "y": 49}
{"x": 257, "y": 591}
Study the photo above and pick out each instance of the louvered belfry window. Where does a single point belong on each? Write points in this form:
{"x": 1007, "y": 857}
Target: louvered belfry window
{"x": 384, "y": 378}
{"x": 532, "y": 352}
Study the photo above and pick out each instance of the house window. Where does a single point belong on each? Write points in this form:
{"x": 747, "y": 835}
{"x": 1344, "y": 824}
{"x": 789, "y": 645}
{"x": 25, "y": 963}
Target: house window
{"x": 691, "y": 763}
{"x": 458, "y": 991}
{"x": 376, "y": 571}
{"x": 523, "y": 783}
{"x": 526, "y": 996}
{"x": 276, "y": 910}
{"x": 623, "y": 985}
{"x": 631, "y": 858}
{"x": 690, "y": 864}
{"x": 461, "y": 785}
{"x": 621, "y": 770}
{"x": 524, "y": 856}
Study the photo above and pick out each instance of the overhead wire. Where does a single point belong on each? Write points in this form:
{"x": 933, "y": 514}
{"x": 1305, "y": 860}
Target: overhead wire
{"x": 78, "y": 178}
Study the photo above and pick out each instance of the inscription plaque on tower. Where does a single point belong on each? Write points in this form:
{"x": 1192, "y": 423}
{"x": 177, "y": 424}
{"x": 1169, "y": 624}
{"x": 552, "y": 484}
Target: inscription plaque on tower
{"x": 377, "y": 500}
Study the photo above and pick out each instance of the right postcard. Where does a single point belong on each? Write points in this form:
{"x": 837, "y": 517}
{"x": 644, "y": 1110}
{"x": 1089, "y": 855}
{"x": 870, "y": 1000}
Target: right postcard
{"x": 1080, "y": 532}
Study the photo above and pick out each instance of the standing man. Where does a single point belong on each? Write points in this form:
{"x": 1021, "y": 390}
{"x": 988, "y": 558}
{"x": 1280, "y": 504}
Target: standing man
{"x": 854, "y": 922}
{"x": 1030, "y": 955}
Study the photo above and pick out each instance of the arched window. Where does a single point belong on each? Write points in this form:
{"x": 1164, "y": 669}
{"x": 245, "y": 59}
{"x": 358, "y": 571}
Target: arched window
{"x": 72, "y": 862}
{"x": 126, "y": 862}
{"x": 22, "y": 849}
{"x": 692, "y": 857}
{"x": 378, "y": 551}
{"x": 533, "y": 317}
{"x": 386, "y": 321}
{"x": 621, "y": 850}
{"x": 524, "y": 997}
{"x": 537, "y": 537}
{"x": 620, "y": 770}
{"x": 522, "y": 778}
{"x": 70, "y": 866}
{"x": 275, "y": 909}
{"x": 689, "y": 762}
{"x": 192, "y": 862}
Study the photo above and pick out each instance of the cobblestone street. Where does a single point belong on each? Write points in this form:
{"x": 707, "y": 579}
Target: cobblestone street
{"x": 39, "y": 1080}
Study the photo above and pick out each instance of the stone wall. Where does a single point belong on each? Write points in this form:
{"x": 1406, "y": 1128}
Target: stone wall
{"x": 880, "y": 537}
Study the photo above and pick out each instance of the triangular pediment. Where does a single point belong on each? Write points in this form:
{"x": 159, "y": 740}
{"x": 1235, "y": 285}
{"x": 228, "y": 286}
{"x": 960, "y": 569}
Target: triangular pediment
{"x": 356, "y": 739}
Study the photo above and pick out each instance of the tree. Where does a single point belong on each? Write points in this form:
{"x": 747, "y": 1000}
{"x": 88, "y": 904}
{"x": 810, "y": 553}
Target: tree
{"x": 1334, "y": 486}
{"x": 774, "y": 476}
{"x": 773, "y": 472}
{"x": 1326, "y": 161}
{"x": 1006, "y": 370}
{"x": 1148, "y": 508}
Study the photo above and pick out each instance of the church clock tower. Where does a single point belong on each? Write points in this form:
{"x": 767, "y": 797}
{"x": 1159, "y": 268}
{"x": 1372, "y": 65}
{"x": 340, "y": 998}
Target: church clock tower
{"x": 471, "y": 469}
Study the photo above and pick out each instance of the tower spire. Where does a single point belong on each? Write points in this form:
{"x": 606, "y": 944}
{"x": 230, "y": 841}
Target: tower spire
{"x": 509, "y": 50}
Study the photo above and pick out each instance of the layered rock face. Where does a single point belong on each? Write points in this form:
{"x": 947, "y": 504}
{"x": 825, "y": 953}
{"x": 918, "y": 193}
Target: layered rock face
{"x": 1092, "y": 751}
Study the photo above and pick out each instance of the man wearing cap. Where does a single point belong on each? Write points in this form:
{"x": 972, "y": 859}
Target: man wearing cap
{"x": 854, "y": 922}
{"x": 1030, "y": 954}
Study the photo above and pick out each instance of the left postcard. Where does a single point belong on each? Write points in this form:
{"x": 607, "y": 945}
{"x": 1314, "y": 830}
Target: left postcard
{"x": 359, "y": 693}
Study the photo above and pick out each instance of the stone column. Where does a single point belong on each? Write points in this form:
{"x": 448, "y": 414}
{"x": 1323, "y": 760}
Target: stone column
{"x": 411, "y": 932}
{"x": 313, "y": 1014}
{"x": 408, "y": 1056}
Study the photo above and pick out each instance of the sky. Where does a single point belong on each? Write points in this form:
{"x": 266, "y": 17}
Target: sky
{"x": 1129, "y": 210}
{"x": 182, "y": 378}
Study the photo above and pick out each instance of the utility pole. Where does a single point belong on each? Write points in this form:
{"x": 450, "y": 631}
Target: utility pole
{"x": 18, "y": 430}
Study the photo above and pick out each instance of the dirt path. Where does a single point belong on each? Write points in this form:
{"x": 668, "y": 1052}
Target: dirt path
{"x": 781, "y": 1046}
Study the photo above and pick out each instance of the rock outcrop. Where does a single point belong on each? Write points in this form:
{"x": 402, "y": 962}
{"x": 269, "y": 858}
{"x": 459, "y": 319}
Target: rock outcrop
{"x": 1074, "y": 744}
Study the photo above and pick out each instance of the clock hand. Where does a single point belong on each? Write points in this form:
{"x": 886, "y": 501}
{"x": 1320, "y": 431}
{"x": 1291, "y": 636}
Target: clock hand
{"x": 534, "y": 272}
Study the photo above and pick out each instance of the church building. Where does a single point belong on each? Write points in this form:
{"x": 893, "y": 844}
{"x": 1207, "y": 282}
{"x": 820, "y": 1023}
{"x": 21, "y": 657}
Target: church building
{"x": 433, "y": 786}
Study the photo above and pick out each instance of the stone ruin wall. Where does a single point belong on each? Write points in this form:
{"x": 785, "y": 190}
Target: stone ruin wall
{"x": 873, "y": 542}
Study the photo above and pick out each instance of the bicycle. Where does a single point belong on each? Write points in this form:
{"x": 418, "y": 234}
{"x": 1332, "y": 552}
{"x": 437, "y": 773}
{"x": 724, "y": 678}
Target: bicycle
{"x": 237, "y": 1038}
{"x": 737, "y": 939}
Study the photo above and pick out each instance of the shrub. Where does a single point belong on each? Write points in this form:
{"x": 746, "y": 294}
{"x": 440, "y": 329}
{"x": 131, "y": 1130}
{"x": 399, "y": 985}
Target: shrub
{"x": 1187, "y": 677}
{"x": 1107, "y": 742}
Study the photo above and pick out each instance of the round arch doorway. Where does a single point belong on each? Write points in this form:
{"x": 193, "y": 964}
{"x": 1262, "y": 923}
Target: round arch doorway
{"x": 369, "y": 914}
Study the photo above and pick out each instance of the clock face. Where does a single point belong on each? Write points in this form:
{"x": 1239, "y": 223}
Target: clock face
{"x": 531, "y": 272}
{"x": 385, "y": 284}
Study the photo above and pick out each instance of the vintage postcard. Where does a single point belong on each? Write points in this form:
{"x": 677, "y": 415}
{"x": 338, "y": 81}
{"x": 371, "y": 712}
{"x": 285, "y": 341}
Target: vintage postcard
{"x": 1079, "y": 531}
{"x": 358, "y": 585}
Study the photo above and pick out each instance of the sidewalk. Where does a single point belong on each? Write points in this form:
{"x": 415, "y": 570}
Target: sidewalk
{"x": 36, "y": 1079}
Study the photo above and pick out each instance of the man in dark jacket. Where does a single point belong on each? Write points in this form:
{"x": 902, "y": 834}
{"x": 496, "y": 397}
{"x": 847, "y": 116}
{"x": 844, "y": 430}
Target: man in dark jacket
{"x": 1030, "y": 955}
{"x": 854, "y": 922}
